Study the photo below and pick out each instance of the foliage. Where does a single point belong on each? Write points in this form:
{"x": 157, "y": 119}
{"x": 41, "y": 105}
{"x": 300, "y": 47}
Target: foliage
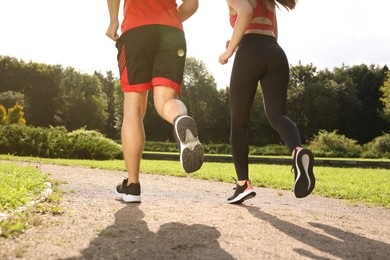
{"x": 33, "y": 141}
{"x": 89, "y": 144}
{"x": 3, "y": 115}
{"x": 10, "y": 98}
{"x": 332, "y": 144}
{"x": 368, "y": 80}
{"x": 385, "y": 89}
{"x": 56, "y": 142}
{"x": 161, "y": 146}
{"x": 348, "y": 99}
{"x": 272, "y": 149}
{"x": 16, "y": 115}
{"x": 211, "y": 148}
{"x": 56, "y": 96}
{"x": 378, "y": 148}
{"x": 84, "y": 103}
{"x": 201, "y": 97}
{"x": 109, "y": 85}
{"x": 217, "y": 149}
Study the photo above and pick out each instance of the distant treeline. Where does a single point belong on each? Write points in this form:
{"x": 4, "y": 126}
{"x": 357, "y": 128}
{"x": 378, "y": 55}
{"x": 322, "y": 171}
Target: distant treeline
{"x": 354, "y": 101}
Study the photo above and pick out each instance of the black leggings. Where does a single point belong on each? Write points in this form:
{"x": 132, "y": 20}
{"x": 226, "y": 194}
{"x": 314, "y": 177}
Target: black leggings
{"x": 259, "y": 58}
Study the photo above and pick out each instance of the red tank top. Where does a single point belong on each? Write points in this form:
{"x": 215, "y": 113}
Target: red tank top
{"x": 145, "y": 12}
{"x": 260, "y": 10}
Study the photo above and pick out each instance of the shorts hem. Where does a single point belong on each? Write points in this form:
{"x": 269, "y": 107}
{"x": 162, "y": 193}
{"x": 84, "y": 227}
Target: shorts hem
{"x": 159, "y": 81}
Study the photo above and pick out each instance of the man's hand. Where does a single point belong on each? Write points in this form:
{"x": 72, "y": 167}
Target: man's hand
{"x": 112, "y": 31}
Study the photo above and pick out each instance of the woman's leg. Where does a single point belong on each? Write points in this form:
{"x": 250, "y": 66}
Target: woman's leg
{"x": 274, "y": 87}
{"x": 243, "y": 85}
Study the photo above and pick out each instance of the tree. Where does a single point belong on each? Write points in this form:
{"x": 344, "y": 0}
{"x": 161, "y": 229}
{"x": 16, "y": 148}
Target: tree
{"x": 201, "y": 97}
{"x": 10, "y": 98}
{"x": 368, "y": 80}
{"x": 42, "y": 91}
{"x": 84, "y": 103}
{"x": 16, "y": 115}
{"x": 108, "y": 86}
{"x": 221, "y": 130}
{"x": 12, "y": 73}
{"x": 3, "y": 115}
{"x": 385, "y": 89}
{"x": 118, "y": 105}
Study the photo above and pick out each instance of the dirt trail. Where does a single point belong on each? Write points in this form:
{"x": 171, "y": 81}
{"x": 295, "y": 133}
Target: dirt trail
{"x": 184, "y": 218}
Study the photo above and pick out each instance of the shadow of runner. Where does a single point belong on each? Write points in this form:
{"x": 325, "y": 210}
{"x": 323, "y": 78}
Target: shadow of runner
{"x": 130, "y": 238}
{"x": 340, "y": 243}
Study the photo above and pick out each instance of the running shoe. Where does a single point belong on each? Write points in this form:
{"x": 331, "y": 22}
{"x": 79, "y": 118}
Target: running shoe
{"x": 128, "y": 193}
{"x": 242, "y": 193}
{"x": 191, "y": 150}
{"x": 303, "y": 169}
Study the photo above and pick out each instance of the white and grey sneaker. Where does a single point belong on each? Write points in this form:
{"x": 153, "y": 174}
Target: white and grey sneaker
{"x": 128, "y": 193}
{"x": 191, "y": 150}
{"x": 303, "y": 162}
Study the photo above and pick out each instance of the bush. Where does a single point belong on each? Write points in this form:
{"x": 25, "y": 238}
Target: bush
{"x": 161, "y": 147}
{"x": 56, "y": 142}
{"x": 272, "y": 149}
{"x": 331, "y": 144}
{"x": 217, "y": 148}
{"x": 378, "y": 148}
{"x": 89, "y": 144}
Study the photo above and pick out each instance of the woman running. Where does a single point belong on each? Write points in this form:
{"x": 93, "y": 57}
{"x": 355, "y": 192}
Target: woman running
{"x": 259, "y": 58}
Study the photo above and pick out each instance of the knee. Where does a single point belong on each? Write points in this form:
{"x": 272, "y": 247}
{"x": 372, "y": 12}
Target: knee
{"x": 239, "y": 126}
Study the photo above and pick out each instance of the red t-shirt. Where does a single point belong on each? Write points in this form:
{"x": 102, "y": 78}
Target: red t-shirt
{"x": 145, "y": 12}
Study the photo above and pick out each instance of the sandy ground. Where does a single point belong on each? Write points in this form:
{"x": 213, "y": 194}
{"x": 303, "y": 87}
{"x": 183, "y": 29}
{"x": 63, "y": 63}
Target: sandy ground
{"x": 184, "y": 218}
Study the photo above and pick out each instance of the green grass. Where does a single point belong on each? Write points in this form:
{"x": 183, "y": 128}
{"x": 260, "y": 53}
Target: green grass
{"x": 19, "y": 185}
{"x": 368, "y": 186}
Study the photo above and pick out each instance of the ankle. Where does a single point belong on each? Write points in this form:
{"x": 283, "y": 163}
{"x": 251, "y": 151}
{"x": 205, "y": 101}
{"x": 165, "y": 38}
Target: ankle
{"x": 242, "y": 182}
{"x": 296, "y": 150}
{"x": 131, "y": 181}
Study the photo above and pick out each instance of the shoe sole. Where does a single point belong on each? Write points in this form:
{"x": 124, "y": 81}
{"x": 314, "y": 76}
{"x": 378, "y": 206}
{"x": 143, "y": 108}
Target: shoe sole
{"x": 305, "y": 181}
{"x": 242, "y": 197}
{"x": 127, "y": 197}
{"x": 191, "y": 150}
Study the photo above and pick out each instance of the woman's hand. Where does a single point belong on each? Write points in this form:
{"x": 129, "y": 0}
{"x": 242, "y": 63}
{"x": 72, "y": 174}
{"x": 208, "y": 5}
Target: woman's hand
{"x": 224, "y": 58}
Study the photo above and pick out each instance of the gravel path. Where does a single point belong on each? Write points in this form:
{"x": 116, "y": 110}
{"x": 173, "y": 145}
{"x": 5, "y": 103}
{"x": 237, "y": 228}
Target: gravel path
{"x": 184, "y": 218}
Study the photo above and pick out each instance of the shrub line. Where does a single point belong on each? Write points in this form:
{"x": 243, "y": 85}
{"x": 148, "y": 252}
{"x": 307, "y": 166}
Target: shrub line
{"x": 279, "y": 161}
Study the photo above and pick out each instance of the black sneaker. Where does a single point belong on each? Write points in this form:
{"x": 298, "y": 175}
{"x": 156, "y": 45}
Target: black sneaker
{"x": 128, "y": 193}
{"x": 303, "y": 169}
{"x": 191, "y": 150}
{"x": 242, "y": 193}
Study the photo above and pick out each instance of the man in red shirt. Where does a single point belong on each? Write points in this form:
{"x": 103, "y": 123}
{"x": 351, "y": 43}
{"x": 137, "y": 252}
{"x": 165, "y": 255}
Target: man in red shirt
{"x": 151, "y": 56}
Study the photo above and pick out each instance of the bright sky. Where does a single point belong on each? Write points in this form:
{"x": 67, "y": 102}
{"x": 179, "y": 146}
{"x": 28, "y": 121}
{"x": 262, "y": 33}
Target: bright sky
{"x": 326, "y": 33}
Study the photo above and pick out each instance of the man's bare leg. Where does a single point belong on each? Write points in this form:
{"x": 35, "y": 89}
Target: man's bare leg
{"x": 133, "y": 132}
{"x": 185, "y": 129}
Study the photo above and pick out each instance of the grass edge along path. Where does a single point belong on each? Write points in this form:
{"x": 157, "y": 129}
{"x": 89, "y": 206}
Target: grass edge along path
{"x": 22, "y": 191}
{"x": 357, "y": 185}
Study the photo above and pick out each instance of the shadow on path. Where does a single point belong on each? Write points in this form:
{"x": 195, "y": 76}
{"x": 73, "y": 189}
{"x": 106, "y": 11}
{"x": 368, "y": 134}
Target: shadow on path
{"x": 337, "y": 242}
{"x": 130, "y": 238}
